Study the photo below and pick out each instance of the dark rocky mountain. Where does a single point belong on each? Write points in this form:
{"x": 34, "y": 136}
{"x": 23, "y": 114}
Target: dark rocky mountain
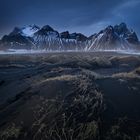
{"x": 76, "y": 36}
{"x": 117, "y": 37}
{"x": 111, "y": 38}
{"x": 17, "y": 41}
{"x": 123, "y": 31}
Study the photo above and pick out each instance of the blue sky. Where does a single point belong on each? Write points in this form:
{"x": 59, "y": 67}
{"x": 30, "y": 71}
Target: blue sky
{"x": 85, "y": 16}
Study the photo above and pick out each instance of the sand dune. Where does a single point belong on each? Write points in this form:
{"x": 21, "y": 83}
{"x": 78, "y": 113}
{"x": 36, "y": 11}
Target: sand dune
{"x": 70, "y": 96}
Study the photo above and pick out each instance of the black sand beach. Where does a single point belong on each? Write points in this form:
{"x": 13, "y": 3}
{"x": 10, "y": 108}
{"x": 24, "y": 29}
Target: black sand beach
{"x": 70, "y": 96}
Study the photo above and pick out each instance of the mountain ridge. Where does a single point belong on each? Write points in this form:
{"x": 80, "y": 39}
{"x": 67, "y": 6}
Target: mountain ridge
{"x": 35, "y": 37}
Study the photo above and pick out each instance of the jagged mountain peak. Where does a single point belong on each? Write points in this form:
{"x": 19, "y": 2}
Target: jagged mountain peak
{"x": 47, "y": 28}
{"x": 32, "y": 27}
{"x": 123, "y": 25}
{"x": 110, "y": 27}
{"x": 76, "y": 36}
{"x": 79, "y": 36}
{"x": 124, "y": 32}
{"x": 121, "y": 29}
{"x": 30, "y": 30}
{"x": 109, "y": 30}
{"x": 114, "y": 37}
{"x": 25, "y": 31}
{"x": 65, "y": 35}
{"x": 111, "y": 37}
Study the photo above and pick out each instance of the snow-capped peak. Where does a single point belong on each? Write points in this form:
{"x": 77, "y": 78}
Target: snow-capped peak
{"x": 112, "y": 37}
{"x": 30, "y": 30}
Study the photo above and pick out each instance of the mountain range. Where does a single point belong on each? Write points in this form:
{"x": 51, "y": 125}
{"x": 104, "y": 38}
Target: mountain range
{"x": 117, "y": 37}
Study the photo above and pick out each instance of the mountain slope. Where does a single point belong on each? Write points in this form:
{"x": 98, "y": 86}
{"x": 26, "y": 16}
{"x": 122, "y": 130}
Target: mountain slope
{"x": 117, "y": 37}
{"x": 114, "y": 38}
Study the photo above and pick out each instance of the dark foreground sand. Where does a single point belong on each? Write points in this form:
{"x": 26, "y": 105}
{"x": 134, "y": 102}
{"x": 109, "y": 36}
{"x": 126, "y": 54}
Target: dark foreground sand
{"x": 70, "y": 96}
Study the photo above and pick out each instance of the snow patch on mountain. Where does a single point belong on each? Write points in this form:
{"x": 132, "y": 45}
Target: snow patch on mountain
{"x": 30, "y": 30}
